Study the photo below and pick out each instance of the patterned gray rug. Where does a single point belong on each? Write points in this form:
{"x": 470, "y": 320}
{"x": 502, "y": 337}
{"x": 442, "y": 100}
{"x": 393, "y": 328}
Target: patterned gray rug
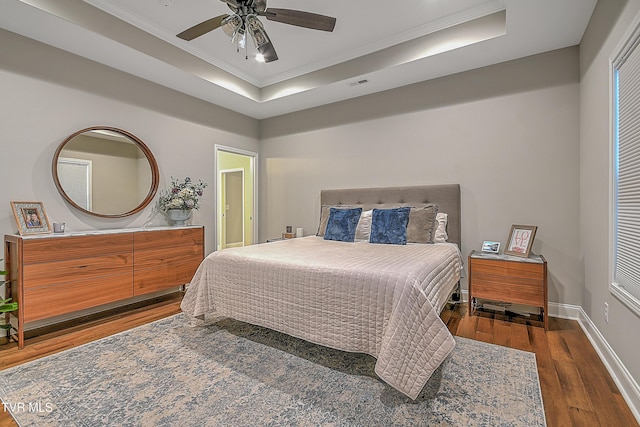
{"x": 232, "y": 374}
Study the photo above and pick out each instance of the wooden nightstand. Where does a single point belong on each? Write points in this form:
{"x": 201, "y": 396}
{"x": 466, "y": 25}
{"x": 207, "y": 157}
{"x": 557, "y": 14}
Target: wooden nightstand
{"x": 508, "y": 278}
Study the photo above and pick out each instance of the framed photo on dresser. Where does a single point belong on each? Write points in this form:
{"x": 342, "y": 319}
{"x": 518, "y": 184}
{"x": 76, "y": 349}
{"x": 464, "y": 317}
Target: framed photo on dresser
{"x": 520, "y": 240}
{"x": 30, "y": 217}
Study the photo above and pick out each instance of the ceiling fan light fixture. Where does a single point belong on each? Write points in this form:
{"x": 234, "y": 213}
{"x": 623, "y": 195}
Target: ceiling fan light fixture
{"x": 260, "y": 5}
{"x": 256, "y": 30}
{"x": 240, "y": 38}
{"x": 268, "y": 52}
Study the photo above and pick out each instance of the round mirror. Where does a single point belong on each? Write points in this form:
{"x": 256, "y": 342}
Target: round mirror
{"x": 106, "y": 172}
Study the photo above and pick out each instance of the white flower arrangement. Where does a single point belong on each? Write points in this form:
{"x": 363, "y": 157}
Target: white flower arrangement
{"x": 183, "y": 195}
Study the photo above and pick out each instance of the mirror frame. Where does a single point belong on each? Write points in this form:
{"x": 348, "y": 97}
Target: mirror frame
{"x": 155, "y": 174}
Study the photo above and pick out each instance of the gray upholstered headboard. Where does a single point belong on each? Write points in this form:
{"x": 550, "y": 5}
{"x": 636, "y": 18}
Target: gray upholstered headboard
{"x": 446, "y": 196}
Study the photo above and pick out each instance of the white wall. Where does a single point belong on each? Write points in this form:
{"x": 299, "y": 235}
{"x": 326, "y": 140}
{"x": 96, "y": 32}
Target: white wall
{"x": 609, "y": 23}
{"x": 508, "y": 134}
{"x": 48, "y": 94}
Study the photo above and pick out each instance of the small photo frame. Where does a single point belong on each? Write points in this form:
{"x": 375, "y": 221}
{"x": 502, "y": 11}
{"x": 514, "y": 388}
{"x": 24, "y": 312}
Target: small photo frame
{"x": 31, "y": 218}
{"x": 490, "y": 247}
{"x": 520, "y": 240}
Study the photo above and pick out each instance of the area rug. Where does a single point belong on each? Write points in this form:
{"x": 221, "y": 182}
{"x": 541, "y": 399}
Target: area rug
{"x": 229, "y": 373}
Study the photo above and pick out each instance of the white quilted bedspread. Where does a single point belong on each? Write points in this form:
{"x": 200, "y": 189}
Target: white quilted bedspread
{"x": 383, "y": 300}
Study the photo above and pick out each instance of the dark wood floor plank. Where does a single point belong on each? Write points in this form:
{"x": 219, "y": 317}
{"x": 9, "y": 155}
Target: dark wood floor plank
{"x": 553, "y": 396}
{"x": 558, "y": 346}
{"x": 501, "y": 333}
{"x": 519, "y": 337}
{"x": 582, "y": 418}
{"x": 485, "y": 326}
{"x": 467, "y": 327}
{"x": 575, "y": 391}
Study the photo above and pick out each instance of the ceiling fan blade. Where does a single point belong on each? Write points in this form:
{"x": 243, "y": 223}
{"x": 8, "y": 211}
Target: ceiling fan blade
{"x": 301, "y": 19}
{"x": 202, "y": 28}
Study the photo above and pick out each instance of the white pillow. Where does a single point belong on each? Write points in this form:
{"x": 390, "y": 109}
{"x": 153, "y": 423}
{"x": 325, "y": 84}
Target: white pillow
{"x": 363, "y": 230}
{"x": 441, "y": 231}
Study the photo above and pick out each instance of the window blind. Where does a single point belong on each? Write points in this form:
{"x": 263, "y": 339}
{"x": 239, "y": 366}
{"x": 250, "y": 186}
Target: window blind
{"x": 627, "y": 171}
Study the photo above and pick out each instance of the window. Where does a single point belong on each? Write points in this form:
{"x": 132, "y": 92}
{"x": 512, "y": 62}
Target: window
{"x": 626, "y": 173}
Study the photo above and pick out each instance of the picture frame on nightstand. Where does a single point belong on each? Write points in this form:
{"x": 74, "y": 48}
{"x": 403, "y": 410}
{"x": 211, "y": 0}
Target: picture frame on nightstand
{"x": 490, "y": 247}
{"x": 521, "y": 240}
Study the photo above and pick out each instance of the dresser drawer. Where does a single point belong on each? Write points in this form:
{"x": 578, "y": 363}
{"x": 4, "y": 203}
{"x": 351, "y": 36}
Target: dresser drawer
{"x": 47, "y": 300}
{"x": 158, "y": 257}
{"x": 44, "y": 250}
{"x": 163, "y": 276}
{"x": 188, "y": 237}
{"x": 35, "y": 275}
{"x": 166, "y": 259}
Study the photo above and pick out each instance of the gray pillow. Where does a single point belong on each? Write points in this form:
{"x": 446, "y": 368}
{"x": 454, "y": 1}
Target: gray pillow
{"x": 324, "y": 218}
{"x": 422, "y": 224}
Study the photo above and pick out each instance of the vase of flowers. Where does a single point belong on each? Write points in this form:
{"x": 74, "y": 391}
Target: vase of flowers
{"x": 180, "y": 199}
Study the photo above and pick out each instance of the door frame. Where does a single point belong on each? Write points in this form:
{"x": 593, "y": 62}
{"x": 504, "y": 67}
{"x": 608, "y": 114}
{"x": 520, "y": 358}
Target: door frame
{"x": 254, "y": 167}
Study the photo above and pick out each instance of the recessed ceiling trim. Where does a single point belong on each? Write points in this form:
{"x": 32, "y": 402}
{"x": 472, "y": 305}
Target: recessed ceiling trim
{"x": 430, "y": 27}
{"x": 465, "y": 34}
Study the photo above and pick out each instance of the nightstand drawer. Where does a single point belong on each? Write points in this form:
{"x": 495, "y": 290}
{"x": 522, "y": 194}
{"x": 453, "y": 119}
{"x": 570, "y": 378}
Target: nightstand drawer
{"x": 508, "y": 269}
{"x": 516, "y": 291}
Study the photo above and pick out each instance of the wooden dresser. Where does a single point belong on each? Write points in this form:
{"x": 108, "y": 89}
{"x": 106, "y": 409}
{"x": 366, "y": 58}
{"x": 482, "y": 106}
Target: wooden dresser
{"x": 509, "y": 279}
{"x": 56, "y": 274}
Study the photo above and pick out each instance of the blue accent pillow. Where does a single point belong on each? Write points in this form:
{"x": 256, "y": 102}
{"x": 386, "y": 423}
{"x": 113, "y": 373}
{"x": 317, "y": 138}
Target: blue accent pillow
{"x": 389, "y": 226}
{"x": 342, "y": 224}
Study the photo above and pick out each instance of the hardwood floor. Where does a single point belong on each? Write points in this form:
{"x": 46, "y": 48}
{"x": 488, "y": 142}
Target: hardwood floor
{"x": 576, "y": 388}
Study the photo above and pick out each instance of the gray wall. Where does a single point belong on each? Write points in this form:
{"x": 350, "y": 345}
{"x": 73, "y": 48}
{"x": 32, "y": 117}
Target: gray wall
{"x": 609, "y": 23}
{"x": 48, "y": 94}
{"x": 509, "y": 134}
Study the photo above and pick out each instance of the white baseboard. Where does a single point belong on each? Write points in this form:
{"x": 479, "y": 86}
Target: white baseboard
{"x": 626, "y": 383}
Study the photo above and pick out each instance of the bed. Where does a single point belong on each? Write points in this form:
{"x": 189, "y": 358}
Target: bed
{"x": 380, "y": 299}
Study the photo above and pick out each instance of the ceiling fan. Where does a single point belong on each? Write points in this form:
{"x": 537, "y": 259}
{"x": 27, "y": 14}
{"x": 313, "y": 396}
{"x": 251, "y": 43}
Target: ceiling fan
{"x": 245, "y": 20}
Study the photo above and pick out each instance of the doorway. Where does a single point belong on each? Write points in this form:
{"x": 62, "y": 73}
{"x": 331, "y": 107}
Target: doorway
{"x": 232, "y": 203}
{"x": 236, "y": 197}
